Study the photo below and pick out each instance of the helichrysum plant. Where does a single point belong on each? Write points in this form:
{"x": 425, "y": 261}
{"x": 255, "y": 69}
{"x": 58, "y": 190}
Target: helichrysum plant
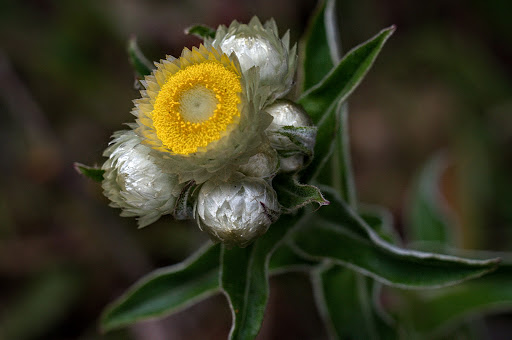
{"x": 239, "y": 136}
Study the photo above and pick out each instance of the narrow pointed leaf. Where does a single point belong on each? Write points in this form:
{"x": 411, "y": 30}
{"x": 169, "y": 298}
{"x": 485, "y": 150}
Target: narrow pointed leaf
{"x": 436, "y": 311}
{"x": 140, "y": 63}
{"x": 201, "y": 31}
{"x": 347, "y": 301}
{"x": 302, "y": 137}
{"x": 285, "y": 259}
{"x": 380, "y": 220}
{"x": 344, "y": 78}
{"x": 94, "y": 173}
{"x": 325, "y": 104}
{"x": 324, "y": 146}
{"x": 170, "y": 289}
{"x": 428, "y": 215}
{"x": 343, "y": 303}
{"x": 244, "y": 279}
{"x": 166, "y": 290}
{"x": 395, "y": 267}
{"x": 321, "y": 48}
{"x": 340, "y": 235}
{"x": 292, "y": 195}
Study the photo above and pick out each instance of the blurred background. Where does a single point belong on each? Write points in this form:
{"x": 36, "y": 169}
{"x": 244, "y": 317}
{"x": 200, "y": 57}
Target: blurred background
{"x": 443, "y": 83}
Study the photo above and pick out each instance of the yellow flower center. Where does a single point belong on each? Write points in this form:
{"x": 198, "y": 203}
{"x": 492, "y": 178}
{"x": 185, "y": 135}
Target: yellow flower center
{"x": 196, "y": 106}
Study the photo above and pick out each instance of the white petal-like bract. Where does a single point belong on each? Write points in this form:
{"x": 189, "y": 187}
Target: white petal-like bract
{"x": 134, "y": 183}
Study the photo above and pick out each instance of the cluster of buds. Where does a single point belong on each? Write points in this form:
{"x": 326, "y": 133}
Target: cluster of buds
{"x": 212, "y": 130}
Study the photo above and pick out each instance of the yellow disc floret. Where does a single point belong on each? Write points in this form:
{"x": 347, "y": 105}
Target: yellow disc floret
{"x": 197, "y": 105}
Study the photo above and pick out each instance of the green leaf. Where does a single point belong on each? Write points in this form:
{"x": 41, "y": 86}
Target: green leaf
{"x": 292, "y": 195}
{"x": 381, "y": 220}
{"x": 303, "y": 137}
{"x": 327, "y": 131}
{"x": 321, "y": 47}
{"x": 344, "y": 78}
{"x": 94, "y": 173}
{"x": 325, "y": 104}
{"x": 343, "y": 303}
{"x": 434, "y": 312}
{"x": 341, "y": 162}
{"x": 201, "y": 31}
{"x": 166, "y": 290}
{"x": 285, "y": 259}
{"x": 348, "y": 302}
{"x": 140, "y": 63}
{"x": 339, "y": 234}
{"x": 427, "y": 216}
{"x": 244, "y": 279}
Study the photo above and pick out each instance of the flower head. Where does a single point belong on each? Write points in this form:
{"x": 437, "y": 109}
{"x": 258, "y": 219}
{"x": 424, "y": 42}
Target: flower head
{"x": 237, "y": 211}
{"x": 258, "y": 45}
{"x": 134, "y": 183}
{"x": 200, "y": 114}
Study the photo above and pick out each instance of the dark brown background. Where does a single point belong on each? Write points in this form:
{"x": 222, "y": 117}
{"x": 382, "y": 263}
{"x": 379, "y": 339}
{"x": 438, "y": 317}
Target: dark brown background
{"x": 443, "y": 82}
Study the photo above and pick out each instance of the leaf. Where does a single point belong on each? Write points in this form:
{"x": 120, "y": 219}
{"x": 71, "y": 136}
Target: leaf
{"x": 321, "y": 47}
{"x": 380, "y": 219}
{"x": 339, "y": 234}
{"x": 140, "y": 63}
{"x": 340, "y": 161}
{"x": 285, "y": 259}
{"x": 292, "y": 195}
{"x": 244, "y": 279}
{"x": 325, "y": 104}
{"x": 436, "y": 311}
{"x": 94, "y": 173}
{"x": 166, "y": 290}
{"x": 348, "y": 303}
{"x": 327, "y": 131}
{"x": 302, "y": 137}
{"x": 342, "y": 300}
{"x": 344, "y": 78}
{"x": 201, "y": 31}
{"x": 427, "y": 216}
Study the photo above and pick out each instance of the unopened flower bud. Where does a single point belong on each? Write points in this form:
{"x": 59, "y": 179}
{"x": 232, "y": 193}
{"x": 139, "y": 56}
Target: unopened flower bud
{"x": 134, "y": 183}
{"x": 259, "y": 45}
{"x": 287, "y": 114}
{"x": 291, "y": 163}
{"x": 237, "y": 211}
{"x": 264, "y": 164}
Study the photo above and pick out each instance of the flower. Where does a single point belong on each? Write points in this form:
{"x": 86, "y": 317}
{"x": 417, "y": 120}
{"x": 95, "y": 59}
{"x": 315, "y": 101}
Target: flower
{"x": 204, "y": 144}
{"x": 134, "y": 183}
{"x": 259, "y": 45}
{"x": 200, "y": 114}
{"x": 237, "y": 211}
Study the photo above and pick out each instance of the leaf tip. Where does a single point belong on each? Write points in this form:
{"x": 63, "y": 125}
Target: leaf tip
{"x": 94, "y": 173}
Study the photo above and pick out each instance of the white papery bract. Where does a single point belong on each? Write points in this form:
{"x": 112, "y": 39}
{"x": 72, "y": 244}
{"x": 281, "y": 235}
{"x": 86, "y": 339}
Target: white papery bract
{"x": 259, "y": 45}
{"x": 134, "y": 183}
{"x": 237, "y": 211}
